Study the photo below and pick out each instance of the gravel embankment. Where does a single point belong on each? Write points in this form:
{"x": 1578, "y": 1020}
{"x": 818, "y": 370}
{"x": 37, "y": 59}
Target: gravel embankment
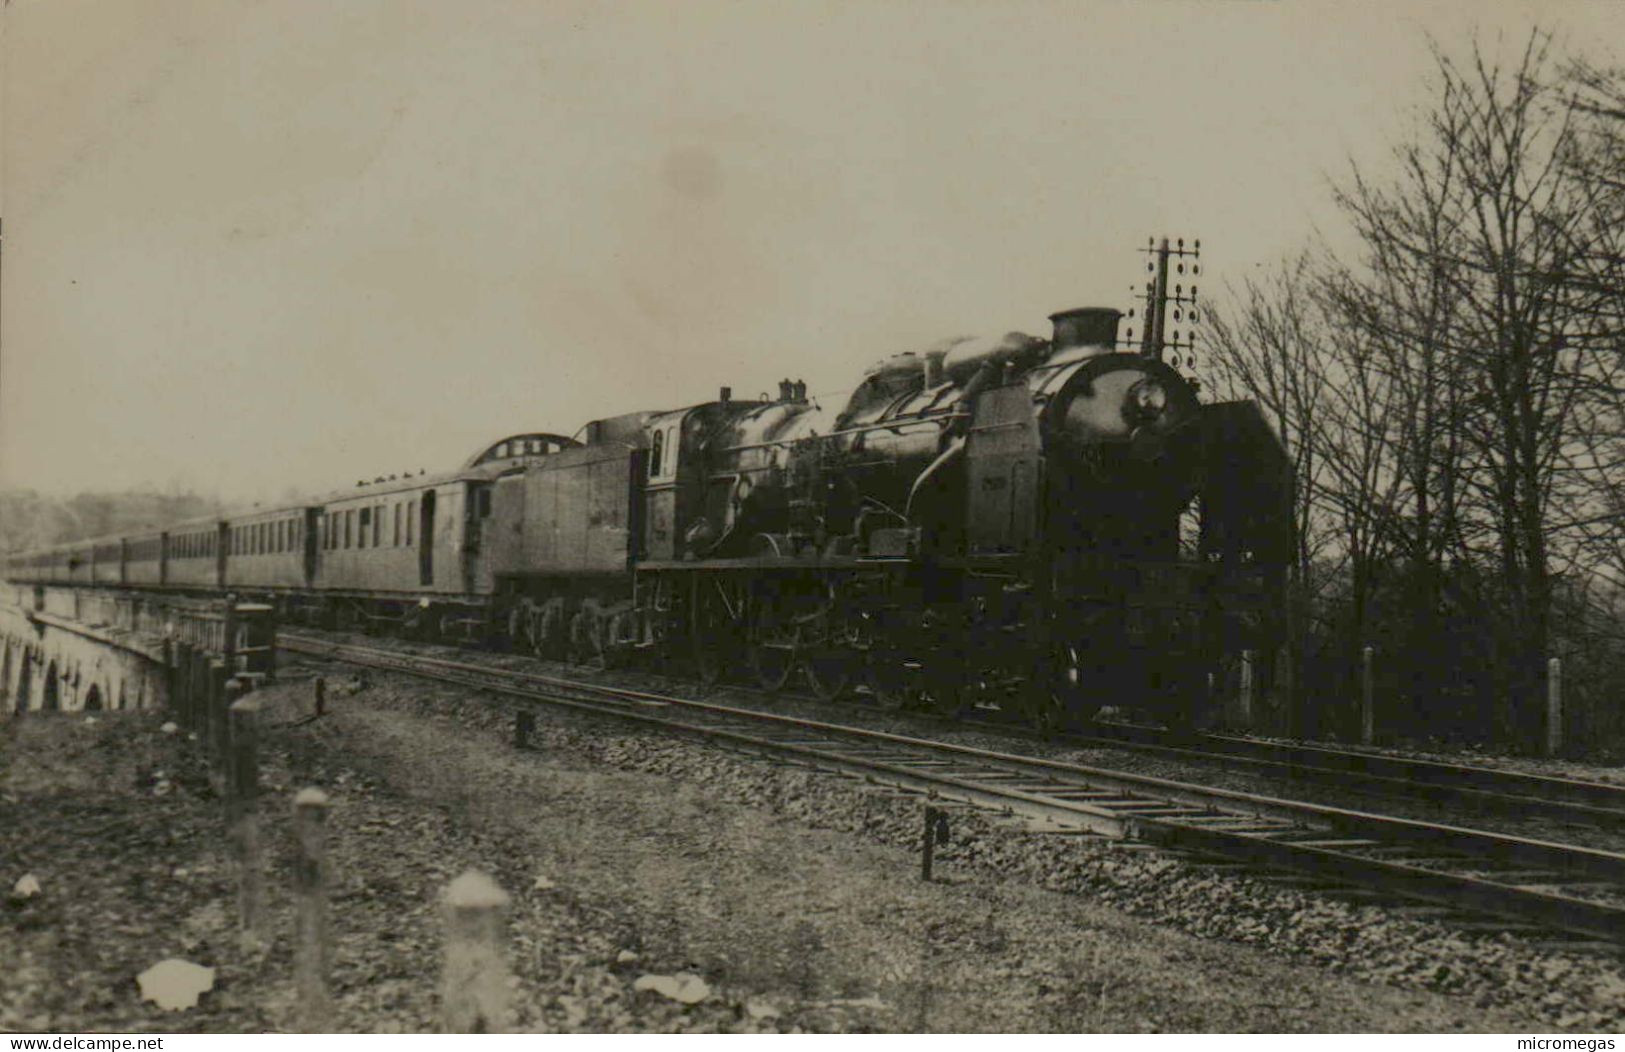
{"x": 792, "y": 896}
{"x": 1551, "y": 986}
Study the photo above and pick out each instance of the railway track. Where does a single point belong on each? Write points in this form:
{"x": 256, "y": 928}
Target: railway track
{"x": 1524, "y": 883}
{"x": 1568, "y": 800}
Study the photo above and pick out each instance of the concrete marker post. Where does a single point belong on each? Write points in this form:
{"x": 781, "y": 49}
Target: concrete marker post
{"x": 311, "y": 951}
{"x": 1554, "y": 706}
{"x": 243, "y": 797}
{"x": 474, "y": 982}
{"x": 1368, "y": 717}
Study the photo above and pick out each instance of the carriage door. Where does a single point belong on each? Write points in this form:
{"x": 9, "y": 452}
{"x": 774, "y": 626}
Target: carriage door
{"x": 478, "y": 529}
{"x": 426, "y": 539}
{"x": 312, "y": 535}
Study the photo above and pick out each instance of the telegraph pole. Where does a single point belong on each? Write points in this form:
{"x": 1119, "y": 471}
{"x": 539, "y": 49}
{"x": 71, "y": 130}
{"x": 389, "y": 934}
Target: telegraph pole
{"x": 1158, "y": 340}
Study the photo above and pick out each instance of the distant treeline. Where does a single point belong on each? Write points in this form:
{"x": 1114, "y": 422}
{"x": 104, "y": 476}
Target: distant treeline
{"x": 32, "y": 520}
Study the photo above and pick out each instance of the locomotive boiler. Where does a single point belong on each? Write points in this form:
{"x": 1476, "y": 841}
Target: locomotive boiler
{"x": 1041, "y": 524}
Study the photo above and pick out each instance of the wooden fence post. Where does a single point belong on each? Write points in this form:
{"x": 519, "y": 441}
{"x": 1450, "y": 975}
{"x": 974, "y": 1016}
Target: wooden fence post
{"x": 319, "y": 684}
{"x": 524, "y": 724}
{"x": 223, "y": 691}
{"x": 170, "y": 699}
{"x": 1554, "y": 706}
{"x": 474, "y": 989}
{"x": 1368, "y": 718}
{"x": 201, "y": 702}
{"x": 934, "y": 833}
{"x": 1246, "y": 689}
{"x": 310, "y": 950}
{"x": 180, "y": 676}
{"x": 228, "y": 633}
{"x": 243, "y": 781}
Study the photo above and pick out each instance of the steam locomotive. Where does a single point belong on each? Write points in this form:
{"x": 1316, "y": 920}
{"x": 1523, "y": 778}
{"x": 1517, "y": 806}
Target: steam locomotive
{"x": 1045, "y": 526}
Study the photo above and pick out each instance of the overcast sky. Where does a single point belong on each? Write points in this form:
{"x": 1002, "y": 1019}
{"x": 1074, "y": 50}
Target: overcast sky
{"x": 255, "y": 247}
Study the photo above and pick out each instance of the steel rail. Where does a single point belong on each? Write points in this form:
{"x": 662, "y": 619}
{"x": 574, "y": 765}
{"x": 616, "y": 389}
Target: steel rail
{"x": 1483, "y": 788}
{"x": 1456, "y": 870}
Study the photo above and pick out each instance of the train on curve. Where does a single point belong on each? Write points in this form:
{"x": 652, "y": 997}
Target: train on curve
{"x": 1042, "y": 525}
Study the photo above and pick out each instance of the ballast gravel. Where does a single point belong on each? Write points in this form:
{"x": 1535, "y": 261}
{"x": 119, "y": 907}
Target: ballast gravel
{"x": 1537, "y": 983}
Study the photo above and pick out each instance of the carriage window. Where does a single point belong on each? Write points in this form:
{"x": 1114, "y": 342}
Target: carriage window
{"x": 655, "y": 453}
{"x": 411, "y": 516}
{"x": 485, "y": 504}
{"x": 378, "y": 526}
{"x": 397, "y": 540}
{"x": 349, "y": 527}
{"x": 361, "y": 534}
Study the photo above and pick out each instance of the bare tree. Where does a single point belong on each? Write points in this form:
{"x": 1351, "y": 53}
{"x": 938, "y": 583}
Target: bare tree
{"x": 1451, "y": 389}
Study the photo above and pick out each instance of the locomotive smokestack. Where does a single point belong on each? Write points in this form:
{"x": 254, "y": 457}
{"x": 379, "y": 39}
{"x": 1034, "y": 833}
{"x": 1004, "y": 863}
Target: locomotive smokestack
{"x": 1085, "y": 327}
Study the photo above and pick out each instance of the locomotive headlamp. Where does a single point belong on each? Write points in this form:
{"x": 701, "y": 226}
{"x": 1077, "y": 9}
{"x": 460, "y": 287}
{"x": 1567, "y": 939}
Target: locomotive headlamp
{"x": 1147, "y": 399}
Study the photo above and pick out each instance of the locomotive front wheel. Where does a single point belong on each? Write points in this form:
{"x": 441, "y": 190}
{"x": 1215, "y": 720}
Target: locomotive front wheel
{"x": 890, "y": 683}
{"x": 773, "y": 659}
{"x": 713, "y": 636}
{"x": 580, "y": 649}
{"x": 830, "y": 671}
